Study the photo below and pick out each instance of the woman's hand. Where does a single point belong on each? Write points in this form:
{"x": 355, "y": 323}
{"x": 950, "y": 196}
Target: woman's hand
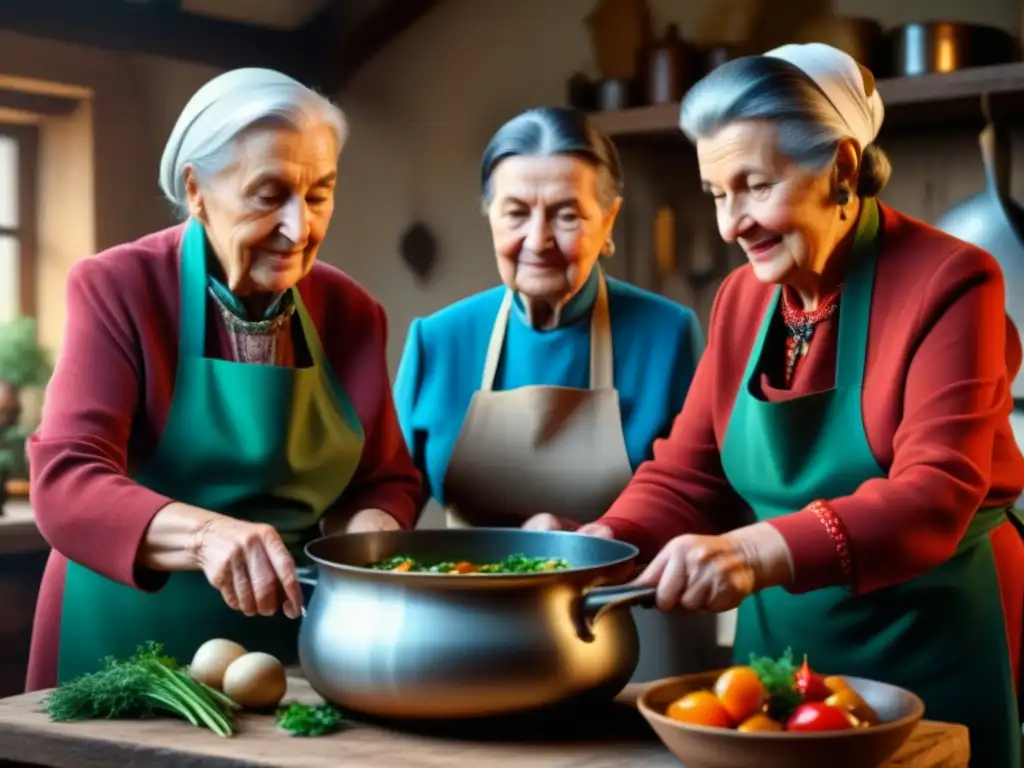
{"x": 548, "y": 522}
{"x": 369, "y": 520}
{"x": 363, "y": 521}
{"x": 715, "y": 573}
{"x": 600, "y": 530}
{"x": 250, "y": 565}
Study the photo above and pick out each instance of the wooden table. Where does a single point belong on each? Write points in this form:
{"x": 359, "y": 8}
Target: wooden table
{"x": 616, "y": 738}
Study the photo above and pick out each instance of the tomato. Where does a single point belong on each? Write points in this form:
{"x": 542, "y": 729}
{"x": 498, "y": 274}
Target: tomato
{"x": 818, "y": 716}
{"x": 851, "y": 701}
{"x": 810, "y": 684}
{"x": 759, "y": 723}
{"x": 700, "y": 708}
{"x": 835, "y": 683}
{"x": 741, "y": 692}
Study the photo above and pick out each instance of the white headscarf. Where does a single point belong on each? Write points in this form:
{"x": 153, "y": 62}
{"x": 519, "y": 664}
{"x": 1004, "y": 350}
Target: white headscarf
{"x": 840, "y": 78}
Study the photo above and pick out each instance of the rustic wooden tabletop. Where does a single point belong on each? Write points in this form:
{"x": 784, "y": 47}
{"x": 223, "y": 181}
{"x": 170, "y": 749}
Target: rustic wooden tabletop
{"x": 616, "y": 737}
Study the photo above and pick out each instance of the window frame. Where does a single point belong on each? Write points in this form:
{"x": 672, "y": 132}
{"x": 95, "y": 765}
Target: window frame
{"x": 27, "y": 138}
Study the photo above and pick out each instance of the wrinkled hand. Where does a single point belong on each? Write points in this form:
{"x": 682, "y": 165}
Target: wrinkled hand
{"x": 370, "y": 520}
{"x": 600, "y": 530}
{"x": 699, "y": 573}
{"x": 250, "y": 565}
{"x": 548, "y": 522}
{"x": 715, "y": 573}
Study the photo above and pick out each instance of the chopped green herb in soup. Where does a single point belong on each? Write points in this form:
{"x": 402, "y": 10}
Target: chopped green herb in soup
{"x": 511, "y": 564}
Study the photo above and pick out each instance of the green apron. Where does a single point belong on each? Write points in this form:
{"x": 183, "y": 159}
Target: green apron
{"x": 941, "y": 635}
{"x": 261, "y": 443}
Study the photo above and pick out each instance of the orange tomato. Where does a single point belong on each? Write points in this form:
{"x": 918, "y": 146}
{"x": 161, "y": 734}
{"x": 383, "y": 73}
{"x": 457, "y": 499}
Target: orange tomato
{"x": 851, "y": 701}
{"x": 700, "y": 708}
{"x": 836, "y": 683}
{"x": 741, "y": 692}
{"x": 759, "y": 723}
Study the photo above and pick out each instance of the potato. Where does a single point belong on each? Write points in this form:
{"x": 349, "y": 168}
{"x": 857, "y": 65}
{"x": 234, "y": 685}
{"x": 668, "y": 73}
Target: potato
{"x": 256, "y": 681}
{"x": 212, "y": 659}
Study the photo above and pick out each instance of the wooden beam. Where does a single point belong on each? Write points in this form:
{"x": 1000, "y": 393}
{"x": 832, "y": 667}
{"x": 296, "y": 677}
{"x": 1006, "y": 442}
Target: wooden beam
{"x": 37, "y": 103}
{"x": 343, "y": 44}
{"x": 160, "y": 28}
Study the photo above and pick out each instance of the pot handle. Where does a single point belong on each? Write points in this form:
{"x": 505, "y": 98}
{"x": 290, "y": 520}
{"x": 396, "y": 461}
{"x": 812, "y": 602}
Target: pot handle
{"x": 307, "y": 577}
{"x": 596, "y": 602}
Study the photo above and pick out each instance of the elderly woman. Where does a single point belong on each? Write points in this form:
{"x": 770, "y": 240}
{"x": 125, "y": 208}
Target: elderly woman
{"x": 212, "y": 407}
{"x": 539, "y": 394}
{"x": 855, "y": 398}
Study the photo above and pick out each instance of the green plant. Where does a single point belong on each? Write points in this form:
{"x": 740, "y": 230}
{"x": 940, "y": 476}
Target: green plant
{"x": 12, "y": 452}
{"x": 23, "y": 362}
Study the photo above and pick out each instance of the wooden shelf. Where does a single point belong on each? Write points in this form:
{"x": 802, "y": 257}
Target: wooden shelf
{"x": 909, "y": 102}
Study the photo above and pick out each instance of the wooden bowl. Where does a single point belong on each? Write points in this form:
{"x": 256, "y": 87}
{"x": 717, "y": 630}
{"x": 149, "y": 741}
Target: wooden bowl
{"x": 705, "y": 747}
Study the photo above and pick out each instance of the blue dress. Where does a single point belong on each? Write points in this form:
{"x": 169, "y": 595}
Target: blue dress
{"x": 656, "y": 346}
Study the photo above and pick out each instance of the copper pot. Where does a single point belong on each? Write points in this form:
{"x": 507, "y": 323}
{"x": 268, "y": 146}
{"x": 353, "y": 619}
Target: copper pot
{"x": 946, "y": 46}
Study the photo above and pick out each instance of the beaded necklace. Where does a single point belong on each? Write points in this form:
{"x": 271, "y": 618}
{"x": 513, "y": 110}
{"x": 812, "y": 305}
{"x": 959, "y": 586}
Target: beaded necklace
{"x": 800, "y": 325}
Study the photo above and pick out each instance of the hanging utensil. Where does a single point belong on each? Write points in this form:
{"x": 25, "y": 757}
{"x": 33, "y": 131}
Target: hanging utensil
{"x": 992, "y": 220}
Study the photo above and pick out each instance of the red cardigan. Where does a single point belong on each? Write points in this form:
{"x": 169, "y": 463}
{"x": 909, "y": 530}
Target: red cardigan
{"x": 941, "y": 355}
{"x": 108, "y": 400}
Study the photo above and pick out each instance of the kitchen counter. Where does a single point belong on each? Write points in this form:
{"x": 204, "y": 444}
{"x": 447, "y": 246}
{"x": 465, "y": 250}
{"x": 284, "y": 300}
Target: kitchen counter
{"x": 615, "y": 737}
{"x": 23, "y": 554}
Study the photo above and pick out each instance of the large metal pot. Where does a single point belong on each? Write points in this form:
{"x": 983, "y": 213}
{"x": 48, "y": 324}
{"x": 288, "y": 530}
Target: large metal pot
{"x": 992, "y": 220}
{"x": 425, "y": 646}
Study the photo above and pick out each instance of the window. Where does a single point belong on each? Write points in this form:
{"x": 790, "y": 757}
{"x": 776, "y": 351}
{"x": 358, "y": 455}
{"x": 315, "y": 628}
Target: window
{"x": 17, "y": 221}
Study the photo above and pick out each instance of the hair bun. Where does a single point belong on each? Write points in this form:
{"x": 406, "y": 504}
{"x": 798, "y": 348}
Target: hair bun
{"x": 875, "y": 170}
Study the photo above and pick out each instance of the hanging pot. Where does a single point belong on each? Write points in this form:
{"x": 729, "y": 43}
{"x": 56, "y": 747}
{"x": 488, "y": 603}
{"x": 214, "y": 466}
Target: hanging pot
{"x": 993, "y": 221}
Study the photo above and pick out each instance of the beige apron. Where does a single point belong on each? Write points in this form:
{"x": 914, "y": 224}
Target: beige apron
{"x": 561, "y": 450}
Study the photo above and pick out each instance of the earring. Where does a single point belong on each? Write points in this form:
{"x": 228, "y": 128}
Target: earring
{"x": 609, "y": 248}
{"x": 843, "y": 200}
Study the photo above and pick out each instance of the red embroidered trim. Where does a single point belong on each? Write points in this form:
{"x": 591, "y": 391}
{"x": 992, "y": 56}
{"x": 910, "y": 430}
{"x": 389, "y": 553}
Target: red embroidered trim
{"x": 837, "y": 531}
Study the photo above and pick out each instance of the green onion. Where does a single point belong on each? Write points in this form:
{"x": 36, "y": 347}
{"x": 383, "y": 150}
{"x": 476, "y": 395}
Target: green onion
{"x": 143, "y": 686}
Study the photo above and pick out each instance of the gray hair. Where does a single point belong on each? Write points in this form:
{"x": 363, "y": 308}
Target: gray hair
{"x": 767, "y": 88}
{"x": 547, "y": 131}
{"x": 227, "y": 106}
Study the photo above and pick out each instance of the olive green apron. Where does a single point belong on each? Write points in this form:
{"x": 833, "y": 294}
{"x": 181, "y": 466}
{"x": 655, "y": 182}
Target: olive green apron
{"x": 261, "y": 443}
{"x": 941, "y": 635}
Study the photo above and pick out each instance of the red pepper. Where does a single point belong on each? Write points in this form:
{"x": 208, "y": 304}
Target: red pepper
{"x": 811, "y": 685}
{"x": 816, "y": 716}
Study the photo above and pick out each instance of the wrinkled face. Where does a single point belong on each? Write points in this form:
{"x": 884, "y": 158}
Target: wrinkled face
{"x": 547, "y": 223}
{"x": 783, "y": 216}
{"x": 268, "y": 211}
